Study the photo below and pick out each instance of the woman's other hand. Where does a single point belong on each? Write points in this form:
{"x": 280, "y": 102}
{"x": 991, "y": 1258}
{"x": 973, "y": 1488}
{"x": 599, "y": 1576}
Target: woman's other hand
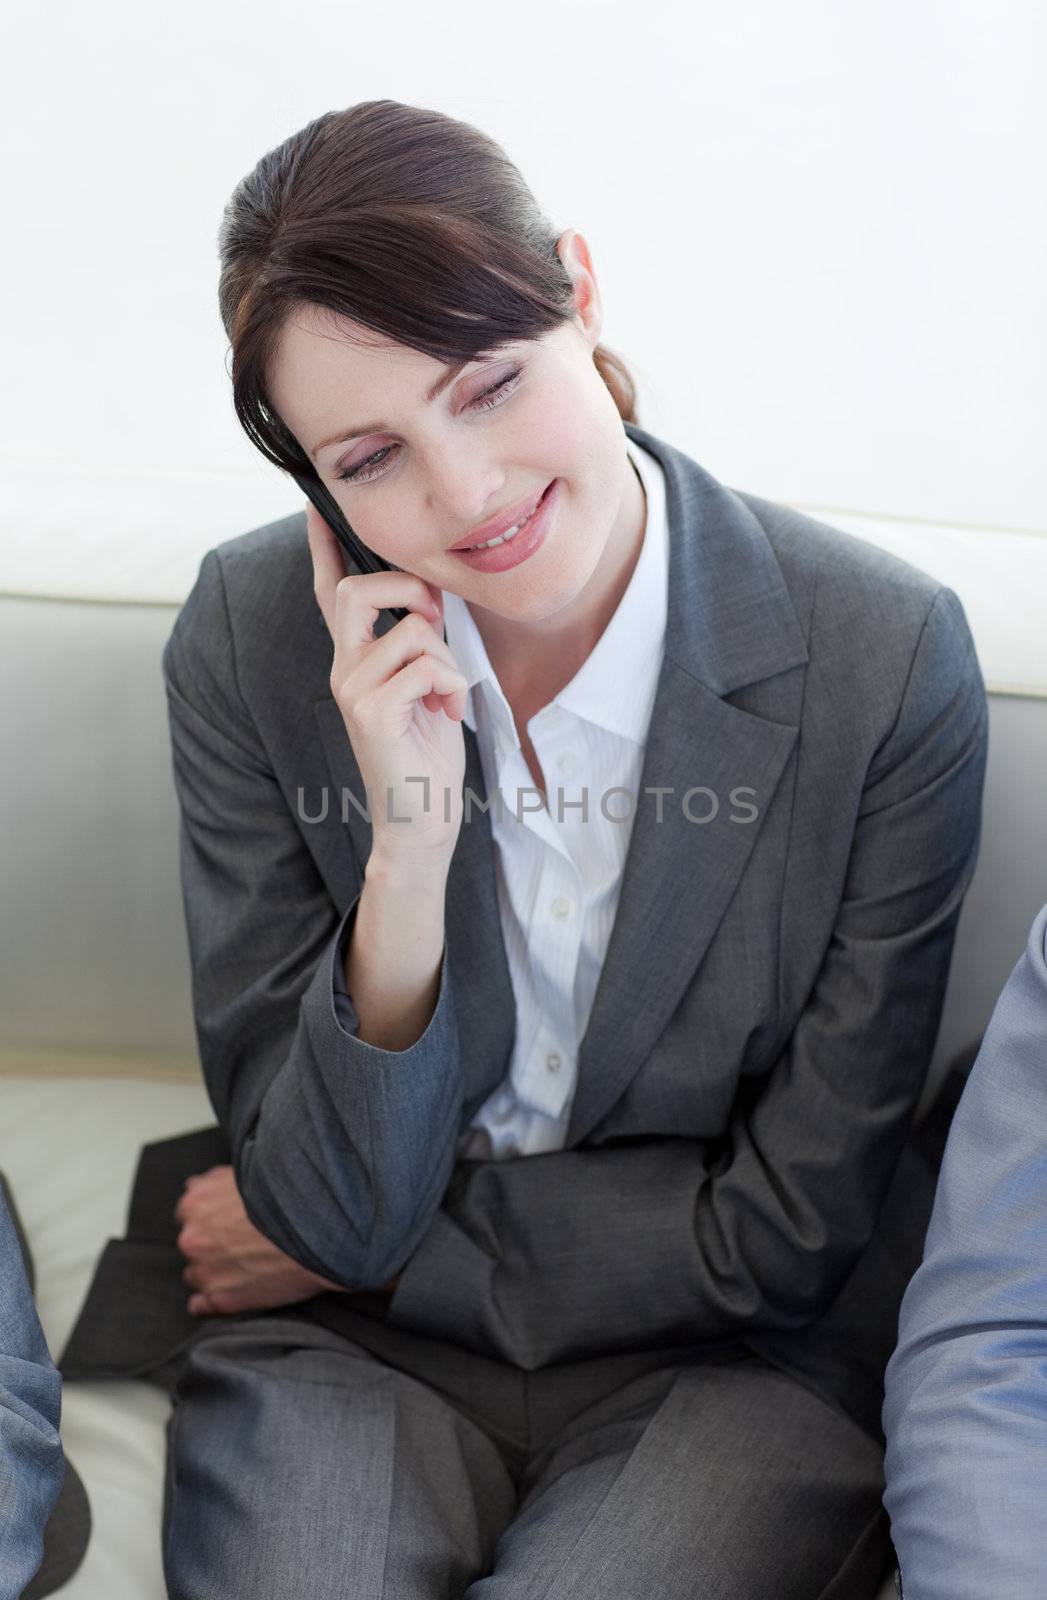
{"x": 231, "y": 1266}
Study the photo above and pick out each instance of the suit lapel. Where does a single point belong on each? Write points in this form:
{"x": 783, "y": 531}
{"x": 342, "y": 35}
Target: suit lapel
{"x": 678, "y": 879}
{"x": 730, "y": 622}
{"x": 484, "y": 998}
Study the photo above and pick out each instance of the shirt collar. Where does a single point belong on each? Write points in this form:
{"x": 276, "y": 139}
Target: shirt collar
{"x": 616, "y": 684}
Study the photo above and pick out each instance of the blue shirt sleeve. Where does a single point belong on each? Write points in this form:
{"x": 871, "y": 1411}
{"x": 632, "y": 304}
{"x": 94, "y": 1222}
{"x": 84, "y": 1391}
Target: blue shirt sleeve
{"x": 965, "y": 1413}
{"x": 32, "y": 1464}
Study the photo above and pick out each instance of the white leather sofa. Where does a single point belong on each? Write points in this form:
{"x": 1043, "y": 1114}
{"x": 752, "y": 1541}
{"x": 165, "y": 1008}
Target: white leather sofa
{"x": 97, "y": 1051}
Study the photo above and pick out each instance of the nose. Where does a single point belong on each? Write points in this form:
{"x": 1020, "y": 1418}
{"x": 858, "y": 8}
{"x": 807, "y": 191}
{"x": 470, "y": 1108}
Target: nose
{"x": 464, "y": 491}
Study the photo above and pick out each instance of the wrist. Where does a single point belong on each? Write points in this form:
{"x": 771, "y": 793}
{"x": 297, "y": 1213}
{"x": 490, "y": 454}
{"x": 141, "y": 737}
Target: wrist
{"x": 397, "y": 869}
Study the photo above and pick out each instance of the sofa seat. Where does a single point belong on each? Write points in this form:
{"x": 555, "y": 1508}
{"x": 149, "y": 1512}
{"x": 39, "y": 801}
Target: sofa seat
{"x": 69, "y": 1147}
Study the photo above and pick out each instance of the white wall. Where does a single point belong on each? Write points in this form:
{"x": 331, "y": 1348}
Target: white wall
{"x": 819, "y": 231}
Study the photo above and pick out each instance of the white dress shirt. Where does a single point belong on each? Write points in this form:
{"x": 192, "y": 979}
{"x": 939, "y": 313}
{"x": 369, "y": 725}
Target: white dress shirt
{"x": 559, "y": 880}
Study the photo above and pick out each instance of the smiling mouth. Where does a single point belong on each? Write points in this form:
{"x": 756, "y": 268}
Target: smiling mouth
{"x": 502, "y": 538}
{"x": 509, "y": 534}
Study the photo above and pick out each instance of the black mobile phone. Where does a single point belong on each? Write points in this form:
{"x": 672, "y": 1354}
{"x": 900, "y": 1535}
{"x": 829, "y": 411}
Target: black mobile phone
{"x": 364, "y": 559}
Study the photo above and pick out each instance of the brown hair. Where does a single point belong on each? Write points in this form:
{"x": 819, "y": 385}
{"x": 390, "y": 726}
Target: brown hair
{"x": 404, "y": 220}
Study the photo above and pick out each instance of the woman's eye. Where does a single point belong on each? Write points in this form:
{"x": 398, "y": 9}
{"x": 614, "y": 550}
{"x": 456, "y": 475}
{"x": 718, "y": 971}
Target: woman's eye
{"x": 483, "y": 402}
{"x": 352, "y": 474}
{"x": 493, "y": 396}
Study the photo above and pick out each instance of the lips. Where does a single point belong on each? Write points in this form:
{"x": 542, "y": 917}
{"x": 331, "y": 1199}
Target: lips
{"x": 516, "y": 548}
{"x": 502, "y": 522}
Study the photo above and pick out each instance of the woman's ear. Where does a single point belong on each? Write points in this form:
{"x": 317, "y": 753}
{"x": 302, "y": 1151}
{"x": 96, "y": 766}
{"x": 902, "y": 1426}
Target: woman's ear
{"x": 574, "y": 252}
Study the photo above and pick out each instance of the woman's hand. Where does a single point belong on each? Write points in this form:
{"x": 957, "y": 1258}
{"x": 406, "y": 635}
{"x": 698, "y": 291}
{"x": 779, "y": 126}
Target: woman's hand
{"x": 232, "y": 1267}
{"x": 402, "y": 699}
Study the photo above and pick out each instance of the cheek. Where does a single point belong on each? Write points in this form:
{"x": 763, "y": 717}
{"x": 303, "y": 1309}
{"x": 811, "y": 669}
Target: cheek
{"x": 555, "y": 435}
{"x": 379, "y": 529}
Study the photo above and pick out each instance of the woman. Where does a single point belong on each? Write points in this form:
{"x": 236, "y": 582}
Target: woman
{"x": 561, "y": 1134}
{"x": 966, "y": 1392}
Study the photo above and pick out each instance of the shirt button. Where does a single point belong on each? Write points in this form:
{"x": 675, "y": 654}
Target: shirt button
{"x": 561, "y": 907}
{"x": 566, "y": 762}
{"x": 552, "y": 1061}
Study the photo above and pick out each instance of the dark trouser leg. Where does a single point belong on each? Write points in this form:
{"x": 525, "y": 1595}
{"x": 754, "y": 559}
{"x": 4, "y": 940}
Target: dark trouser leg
{"x": 300, "y": 1464}
{"x": 721, "y": 1481}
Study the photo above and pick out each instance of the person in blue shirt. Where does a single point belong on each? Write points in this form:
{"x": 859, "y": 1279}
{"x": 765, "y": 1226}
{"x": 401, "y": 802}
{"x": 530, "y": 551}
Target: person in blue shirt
{"x": 44, "y": 1514}
{"x": 965, "y": 1413}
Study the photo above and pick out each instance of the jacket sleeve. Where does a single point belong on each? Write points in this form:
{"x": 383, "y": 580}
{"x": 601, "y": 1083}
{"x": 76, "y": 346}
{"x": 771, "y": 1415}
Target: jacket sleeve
{"x": 32, "y": 1464}
{"x": 665, "y": 1240}
{"x": 342, "y": 1150}
{"x": 966, "y": 1396}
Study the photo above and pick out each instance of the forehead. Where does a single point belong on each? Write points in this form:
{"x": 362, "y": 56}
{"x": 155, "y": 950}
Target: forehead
{"x": 328, "y": 373}
{"x": 317, "y": 348}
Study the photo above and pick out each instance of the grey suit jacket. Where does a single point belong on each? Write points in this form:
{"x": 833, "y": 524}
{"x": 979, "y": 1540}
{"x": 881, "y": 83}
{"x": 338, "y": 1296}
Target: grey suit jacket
{"x": 766, "y": 1011}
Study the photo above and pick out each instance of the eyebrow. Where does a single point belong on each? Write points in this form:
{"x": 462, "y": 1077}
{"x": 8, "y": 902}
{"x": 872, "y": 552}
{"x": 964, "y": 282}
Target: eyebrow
{"x": 382, "y": 427}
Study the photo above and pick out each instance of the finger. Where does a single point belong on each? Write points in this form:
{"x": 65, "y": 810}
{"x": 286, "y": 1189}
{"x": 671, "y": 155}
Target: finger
{"x": 359, "y": 599}
{"x": 454, "y": 708}
{"x": 198, "y": 1246}
{"x": 328, "y": 564}
{"x": 218, "y": 1303}
{"x": 446, "y": 702}
{"x": 426, "y": 676}
{"x": 196, "y": 1178}
{"x": 198, "y": 1305}
{"x": 413, "y": 638}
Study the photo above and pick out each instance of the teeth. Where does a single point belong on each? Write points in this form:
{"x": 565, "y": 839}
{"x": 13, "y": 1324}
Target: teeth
{"x": 502, "y": 538}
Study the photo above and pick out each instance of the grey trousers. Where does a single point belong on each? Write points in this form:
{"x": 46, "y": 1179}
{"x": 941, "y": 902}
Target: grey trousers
{"x": 303, "y": 1461}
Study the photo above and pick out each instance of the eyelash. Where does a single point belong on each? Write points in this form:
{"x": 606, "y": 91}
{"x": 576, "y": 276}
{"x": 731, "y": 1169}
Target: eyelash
{"x": 483, "y": 402}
